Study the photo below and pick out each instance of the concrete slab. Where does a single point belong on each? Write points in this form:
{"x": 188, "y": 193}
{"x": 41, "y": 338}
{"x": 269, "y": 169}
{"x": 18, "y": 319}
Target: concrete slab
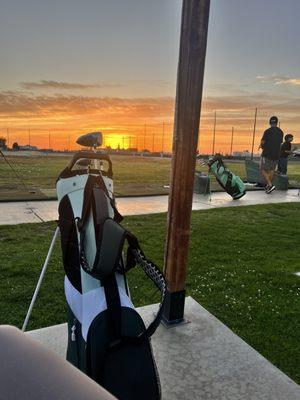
{"x": 201, "y": 360}
{"x": 37, "y": 211}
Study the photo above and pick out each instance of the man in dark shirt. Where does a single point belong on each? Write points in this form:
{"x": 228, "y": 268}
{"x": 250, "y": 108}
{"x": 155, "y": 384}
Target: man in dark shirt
{"x": 285, "y": 151}
{"x": 270, "y": 144}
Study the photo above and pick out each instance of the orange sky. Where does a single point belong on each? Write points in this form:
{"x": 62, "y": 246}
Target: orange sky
{"x": 142, "y": 123}
{"x": 66, "y": 71}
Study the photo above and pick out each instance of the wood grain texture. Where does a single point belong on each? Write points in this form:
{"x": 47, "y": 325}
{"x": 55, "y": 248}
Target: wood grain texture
{"x": 193, "y": 39}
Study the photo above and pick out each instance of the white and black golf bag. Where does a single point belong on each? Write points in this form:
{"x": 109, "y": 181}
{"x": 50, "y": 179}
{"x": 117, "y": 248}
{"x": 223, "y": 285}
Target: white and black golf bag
{"x": 107, "y": 338}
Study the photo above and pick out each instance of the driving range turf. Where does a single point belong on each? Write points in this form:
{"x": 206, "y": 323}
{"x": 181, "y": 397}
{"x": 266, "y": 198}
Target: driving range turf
{"x": 242, "y": 265}
{"x": 133, "y": 175}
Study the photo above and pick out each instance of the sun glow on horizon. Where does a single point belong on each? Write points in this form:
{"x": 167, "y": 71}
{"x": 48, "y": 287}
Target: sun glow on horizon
{"x": 132, "y": 123}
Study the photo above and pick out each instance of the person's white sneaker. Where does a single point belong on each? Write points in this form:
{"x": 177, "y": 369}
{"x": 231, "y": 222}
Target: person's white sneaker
{"x": 270, "y": 189}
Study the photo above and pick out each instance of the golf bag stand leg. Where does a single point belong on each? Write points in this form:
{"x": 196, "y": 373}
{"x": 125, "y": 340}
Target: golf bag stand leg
{"x": 40, "y": 279}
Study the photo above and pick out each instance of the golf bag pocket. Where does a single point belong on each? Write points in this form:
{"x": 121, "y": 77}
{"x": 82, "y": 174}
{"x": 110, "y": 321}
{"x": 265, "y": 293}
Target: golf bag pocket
{"x": 124, "y": 366}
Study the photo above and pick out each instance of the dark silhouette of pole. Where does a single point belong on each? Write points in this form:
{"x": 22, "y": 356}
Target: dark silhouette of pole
{"x": 231, "y": 143}
{"x": 153, "y": 142}
{"x": 190, "y": 73}
{"x": 29, "y": 137}
{"x": 163, "y": 137}
{"x": 136, "y": 140}
{"x": 253, "y": 137}
{"x": 214, "y": 134}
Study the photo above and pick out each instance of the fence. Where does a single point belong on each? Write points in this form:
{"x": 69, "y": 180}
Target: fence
{"x": 219, "y": 133}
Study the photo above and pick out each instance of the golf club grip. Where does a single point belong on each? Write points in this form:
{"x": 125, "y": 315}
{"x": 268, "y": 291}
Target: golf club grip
{"x": 92, "y": 156}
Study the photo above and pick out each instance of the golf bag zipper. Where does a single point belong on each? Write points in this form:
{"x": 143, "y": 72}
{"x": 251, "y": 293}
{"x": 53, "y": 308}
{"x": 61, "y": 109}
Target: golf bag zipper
{"x": 73, "y": 331}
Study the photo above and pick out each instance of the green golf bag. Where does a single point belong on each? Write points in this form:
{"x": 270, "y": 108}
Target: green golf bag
{"x": 230, "y": 182}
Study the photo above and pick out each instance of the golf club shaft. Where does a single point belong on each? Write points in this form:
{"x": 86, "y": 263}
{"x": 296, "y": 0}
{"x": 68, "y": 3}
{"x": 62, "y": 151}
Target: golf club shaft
{"x": 40, "y": 279}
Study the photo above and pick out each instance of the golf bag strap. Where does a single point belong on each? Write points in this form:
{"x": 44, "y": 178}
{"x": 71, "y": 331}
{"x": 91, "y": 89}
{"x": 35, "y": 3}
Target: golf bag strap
{"x": 112, "y": 296}
{"x": 114, "y": 314}
{"x": 136, "y": 255}
{"x": 229, "y": 181}
{"x": 220, "y": 164}
{"x": 92, "y": 182}
{"x": 117, "y": 216}
{"x": 95, "y": 192}
{"x": 109, "y": 251}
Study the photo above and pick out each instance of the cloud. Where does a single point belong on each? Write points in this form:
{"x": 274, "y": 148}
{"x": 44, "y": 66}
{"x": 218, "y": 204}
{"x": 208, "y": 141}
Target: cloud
{"x": 151, "y": 82}
{"x": 279, "y": 80}
{"x": 23, "y": 109}
{"x": 16, "y": 104}
{"x": 45, "y": 84}
{"x": 127, "y": 116}
{"x": 25, "y": 105}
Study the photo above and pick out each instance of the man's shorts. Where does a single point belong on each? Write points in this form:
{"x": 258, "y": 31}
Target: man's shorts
{"x": 267, "y": 164}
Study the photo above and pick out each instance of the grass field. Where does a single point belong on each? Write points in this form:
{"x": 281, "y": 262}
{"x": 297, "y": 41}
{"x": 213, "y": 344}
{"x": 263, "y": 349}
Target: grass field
{"x": 132, "y": 175}
{"x": 241, "y": 268}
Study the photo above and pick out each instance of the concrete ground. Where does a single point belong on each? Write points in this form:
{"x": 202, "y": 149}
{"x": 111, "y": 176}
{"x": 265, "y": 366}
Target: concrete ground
{"x": 37, "y": 211}
{"x": 202, "y": 359}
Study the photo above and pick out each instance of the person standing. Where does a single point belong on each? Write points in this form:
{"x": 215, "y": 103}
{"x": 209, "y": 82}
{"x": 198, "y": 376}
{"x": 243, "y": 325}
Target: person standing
{"x": 270, "y": 144}
{"x": 285, "y": 151}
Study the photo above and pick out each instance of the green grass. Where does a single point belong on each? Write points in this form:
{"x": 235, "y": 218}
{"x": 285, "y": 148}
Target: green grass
{"x": 132, "y": 175}
{"x": 241, "y": 268}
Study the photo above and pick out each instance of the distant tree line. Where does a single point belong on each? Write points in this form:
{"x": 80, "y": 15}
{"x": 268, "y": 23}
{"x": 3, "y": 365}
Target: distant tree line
{"x": 3, "y": 145}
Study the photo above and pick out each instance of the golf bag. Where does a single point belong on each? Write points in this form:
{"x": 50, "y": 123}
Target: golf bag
{"x": 230, "y": 182}
{"x": 107, "y": 338}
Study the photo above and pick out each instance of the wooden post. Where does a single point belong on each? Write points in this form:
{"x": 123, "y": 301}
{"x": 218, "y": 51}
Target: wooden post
{"x": 253, "y": 137}
{"x": 231, "y": 143}
{"x": 214, "y": 134}
{"x": 193, "y": 39}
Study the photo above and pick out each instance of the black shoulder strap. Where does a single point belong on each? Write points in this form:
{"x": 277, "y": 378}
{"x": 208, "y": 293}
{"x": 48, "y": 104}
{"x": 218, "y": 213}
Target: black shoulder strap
{"x": 92, "y": 182}
{"x": 109, "y": 251}
{"x": 152, "y": 271}
{"x": 95, "y": 199}
{"x": 114, "y": 312}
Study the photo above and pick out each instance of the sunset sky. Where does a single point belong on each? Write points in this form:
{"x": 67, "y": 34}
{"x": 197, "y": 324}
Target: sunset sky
{"x": 72, "y": 66}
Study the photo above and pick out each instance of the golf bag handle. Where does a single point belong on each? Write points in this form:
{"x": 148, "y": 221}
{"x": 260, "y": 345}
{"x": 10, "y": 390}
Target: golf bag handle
{"x": 92, "y": 156}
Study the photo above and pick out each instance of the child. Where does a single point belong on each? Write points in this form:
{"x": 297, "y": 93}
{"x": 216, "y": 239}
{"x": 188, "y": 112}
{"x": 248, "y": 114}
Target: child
{"x": 285, "y": 151}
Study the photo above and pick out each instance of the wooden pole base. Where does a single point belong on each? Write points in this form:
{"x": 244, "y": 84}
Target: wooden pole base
{"x": 174, "y": 308}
